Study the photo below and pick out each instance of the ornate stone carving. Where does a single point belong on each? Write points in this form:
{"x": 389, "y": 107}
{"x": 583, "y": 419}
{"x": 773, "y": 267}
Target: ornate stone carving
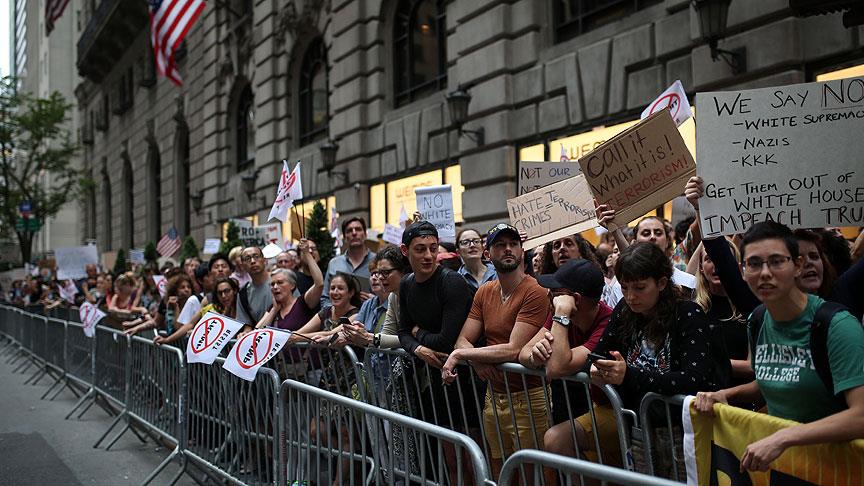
{"x": 291, "y": 22}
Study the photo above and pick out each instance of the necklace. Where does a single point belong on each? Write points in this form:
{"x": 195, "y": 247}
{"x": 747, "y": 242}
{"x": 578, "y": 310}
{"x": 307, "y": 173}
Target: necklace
{"x": 506, "y": 296}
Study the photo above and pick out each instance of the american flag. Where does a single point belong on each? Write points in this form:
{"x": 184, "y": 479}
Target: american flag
{"x": 53, "y": 11}
{"x": 170, "y": 20}
{"x": 169, "y": 244}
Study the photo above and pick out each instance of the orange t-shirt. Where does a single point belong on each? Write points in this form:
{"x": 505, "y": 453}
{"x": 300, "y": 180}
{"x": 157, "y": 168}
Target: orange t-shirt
{"x": 528, "y": 304}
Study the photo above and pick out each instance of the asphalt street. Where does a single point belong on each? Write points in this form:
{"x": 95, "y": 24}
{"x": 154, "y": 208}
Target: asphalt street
{"x": 38, "y": 446}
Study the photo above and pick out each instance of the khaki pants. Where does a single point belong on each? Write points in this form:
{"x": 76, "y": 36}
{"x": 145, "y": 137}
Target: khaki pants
{"x": 500, "y": 433}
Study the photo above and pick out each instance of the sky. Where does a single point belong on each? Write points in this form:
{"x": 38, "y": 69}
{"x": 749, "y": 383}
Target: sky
{"x": 5, "y": 38}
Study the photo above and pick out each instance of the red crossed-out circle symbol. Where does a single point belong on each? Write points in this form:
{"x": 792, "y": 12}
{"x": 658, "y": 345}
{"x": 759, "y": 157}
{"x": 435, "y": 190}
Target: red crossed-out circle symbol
{"x": 258, "y": 356}
{"x": 671, "y": 100}
{"x": 205, "y": 327}
{"x": 285, "y": 186}
{"x": 161, "y": 286}
{"x": 86, "y": 310}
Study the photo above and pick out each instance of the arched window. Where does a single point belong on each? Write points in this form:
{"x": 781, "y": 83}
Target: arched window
{"x": 154, "y": 203}
{"x": 128, "y": 203}
{"x": 313, "y": 93}
{"x": 182, "y": 206}
{"x": 419, "y": 49}
{"x": 106, "y": 210}
{"x": 245, "y": 123}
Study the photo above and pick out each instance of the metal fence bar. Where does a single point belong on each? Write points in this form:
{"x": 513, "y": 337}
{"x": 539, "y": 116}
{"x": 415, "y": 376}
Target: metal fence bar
{"x": 55, "y": 359}
{"x": 664, "y": 443}
{"x": 569, "y": 467}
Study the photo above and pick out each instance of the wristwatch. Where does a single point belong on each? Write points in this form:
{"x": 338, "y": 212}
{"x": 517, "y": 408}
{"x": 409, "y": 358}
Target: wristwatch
{"x": 563, "y": 320}
{"x": 376, "y": 340}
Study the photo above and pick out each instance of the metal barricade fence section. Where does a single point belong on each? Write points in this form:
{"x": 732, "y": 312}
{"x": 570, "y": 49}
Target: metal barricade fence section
{"x": 110, "y": 369}
{"x": 233, "y": 423}
{"x": 79, "y": 354}
{"x": 570, "y": 471}
{"x": 55, "y": 335}
{"x": 662, "y": 437}
{"x": 156, "y": 386}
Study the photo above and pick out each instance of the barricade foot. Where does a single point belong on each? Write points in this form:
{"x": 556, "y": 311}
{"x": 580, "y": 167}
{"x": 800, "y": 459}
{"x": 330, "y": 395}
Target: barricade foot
{"x": 116, "y": 420}
{"x": 87, "y": 396}
{"x": 37, "y": 377}
{"x": 162, "y": 465}
{"x": 57, "y": 381}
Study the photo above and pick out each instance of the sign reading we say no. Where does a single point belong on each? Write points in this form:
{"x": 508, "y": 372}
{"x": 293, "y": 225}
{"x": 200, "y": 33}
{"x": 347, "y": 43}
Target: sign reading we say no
{"x": 209, "y": 336}
{"x": 253, "y": 350}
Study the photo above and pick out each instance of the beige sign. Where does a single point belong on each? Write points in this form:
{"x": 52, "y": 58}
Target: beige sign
{"x": 639, "y": 169}
{"x": 555, "y": 211}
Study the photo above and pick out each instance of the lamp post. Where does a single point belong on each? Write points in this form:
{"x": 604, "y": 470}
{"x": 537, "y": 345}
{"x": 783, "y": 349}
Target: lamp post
{"x": 457, "y": 105}
{"x": 328, "y": 159}
{"x": 713, "y": 16}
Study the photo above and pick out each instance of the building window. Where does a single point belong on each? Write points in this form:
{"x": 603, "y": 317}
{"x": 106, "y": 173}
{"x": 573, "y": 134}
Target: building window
{"x": 575, "y": 17}
{"x": 154, "y": 209}
{"x": 182, "y": 206}
{"x": 245, "y": 123}
{"x": 313, "y": 93}
{"x": 388, "y": 200}
{"x": 128, "y": 203}
{"x": 419, "y": 49}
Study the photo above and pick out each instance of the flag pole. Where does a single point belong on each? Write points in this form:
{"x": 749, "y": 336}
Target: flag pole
{"x": 299, "y": 221}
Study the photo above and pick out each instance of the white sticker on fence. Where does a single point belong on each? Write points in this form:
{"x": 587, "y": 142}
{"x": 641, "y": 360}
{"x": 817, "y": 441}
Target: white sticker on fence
{"x": 72, "y": 260}
{"x": 253, "y": 350}
{"x": 90, "y": 316}
{"x": 209, "y": 336}
{"x": 790, "y": 154}
{"x": 436, "y": 206}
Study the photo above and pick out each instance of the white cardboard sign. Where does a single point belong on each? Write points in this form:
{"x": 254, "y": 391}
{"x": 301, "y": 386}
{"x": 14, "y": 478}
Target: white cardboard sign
{"x": 211, "y": 246}
{"x": 253, "y": 350}
{"x": 435, "y": 204}
{"x": 393, "y": 234}
{"x": 71, "y": 261}
{"x": 161, "y": 284}
{"x": 90, "y": 316}
{"x": 534, "y": 175}
{"x": 790, "y": 154}
{"x": 209, "y": 336}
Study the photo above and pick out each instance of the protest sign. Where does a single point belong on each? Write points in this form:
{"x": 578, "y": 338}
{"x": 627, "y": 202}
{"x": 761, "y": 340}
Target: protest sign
{"x": 209, "y": 336}
{"x": 71, "y": 261}
{"x": 136, "y": 255}
{"x": 211, "y": 246}
{"x": 68, "y": 291}
{"x": 534, "y": 175}
{"x": 639, "y": 169}
{"x": 261, "y": 236}
{"x": 561, "y": 209}
{"x": 253, "y": 350}
{"x": 393, "y": 234}
{"x": 161, "y": 284}
{"x": 790, "y": 154}
{"x": 90, "y": 316}
{"x": 436, "y": 206}
{"x": 673, "y": 98}
{"x": 9, "y": 276}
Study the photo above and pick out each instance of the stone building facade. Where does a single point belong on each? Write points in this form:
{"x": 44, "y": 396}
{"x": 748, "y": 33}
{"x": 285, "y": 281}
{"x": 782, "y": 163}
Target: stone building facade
{"x": 254, "y": 93}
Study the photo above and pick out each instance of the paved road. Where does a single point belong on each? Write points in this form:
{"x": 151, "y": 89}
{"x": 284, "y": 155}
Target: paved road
{"x": 39, "y": 447}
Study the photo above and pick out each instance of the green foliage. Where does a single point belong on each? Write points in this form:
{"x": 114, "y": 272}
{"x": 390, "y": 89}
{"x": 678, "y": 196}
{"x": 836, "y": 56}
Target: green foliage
{"x": 317, "y": 230}
{"x": 189, "y": 248}
{"x": 150, "y": 253}
{"x": 35, "y": 145}
{"x": 120, "y": 263}
{"x": 232, "y": 234}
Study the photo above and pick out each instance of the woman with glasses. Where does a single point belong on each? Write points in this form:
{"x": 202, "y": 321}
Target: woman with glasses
{"x": 473, "y": 269}
{"x": 380, "y": 332}
{"x": 226, "y": 296}
{"x": 786, "y": 362}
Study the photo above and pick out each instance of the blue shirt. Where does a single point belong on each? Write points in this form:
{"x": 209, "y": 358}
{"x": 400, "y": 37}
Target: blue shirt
{"x": 490, "y": 275}
{"x": 371, "y": 312}
{"x": 341, "y": 264}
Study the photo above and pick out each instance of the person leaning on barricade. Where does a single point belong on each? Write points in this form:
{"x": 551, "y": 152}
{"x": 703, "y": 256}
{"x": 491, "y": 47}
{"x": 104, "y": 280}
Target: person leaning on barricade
{"x": 390, "y": 267}
{"x": 355, "y": 260}
{"x": 473, "y": 268}
{"x": 225, "y": 304}
{"x": 288, "y": 311}
{"x": 578, "y": 322}
{"x": 507, "y": 312}
{"x": 654, "y": 342}
{"x": 823, "y": 387}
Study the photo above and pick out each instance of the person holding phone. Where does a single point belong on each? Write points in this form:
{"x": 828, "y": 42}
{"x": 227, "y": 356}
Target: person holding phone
{"x": 344, "y": 302}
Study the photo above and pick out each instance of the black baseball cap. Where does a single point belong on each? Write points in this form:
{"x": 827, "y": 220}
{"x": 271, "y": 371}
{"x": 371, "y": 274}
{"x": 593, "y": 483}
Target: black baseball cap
{"x": 500, "y": 230}
{"x": 580, "y": 276}
{"x": 418, "y": 229}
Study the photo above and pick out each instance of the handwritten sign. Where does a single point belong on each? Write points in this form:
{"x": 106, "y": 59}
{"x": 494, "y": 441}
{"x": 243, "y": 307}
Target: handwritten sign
{"x": 790, "y": 154}
{"x": 639, "y": 169}
{"x": 209, "y": 336}
{"x": 534, "y": 175}
{"x": 71, "y": 261}
{"x": 90, "y": 316}
{"x": 211, "y": 246}
{"x": 561, "y": 209}
{"x": 393, "y": 234}
{"x": 436, "y": 206}
{"x": 261, "y": 236}
{"x": 253, "y": 350}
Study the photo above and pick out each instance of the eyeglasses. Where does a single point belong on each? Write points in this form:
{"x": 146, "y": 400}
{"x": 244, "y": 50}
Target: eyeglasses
{"x": 470, "y": 242}
{"x": 224, "y": 291}
{"x": 754, "y": 265}
{"x": 249, "y": 258}
{"x": 383, "y": 272}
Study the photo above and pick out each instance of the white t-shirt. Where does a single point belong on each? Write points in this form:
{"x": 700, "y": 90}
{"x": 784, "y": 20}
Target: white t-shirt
{"x": 612, "y": 293}
{"x": 190, "y": 308}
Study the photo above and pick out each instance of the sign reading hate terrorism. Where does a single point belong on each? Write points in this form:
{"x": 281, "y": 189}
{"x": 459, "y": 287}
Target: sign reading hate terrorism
{"x": 639, "y": 169}
{"x": 555, "y": 211}
{"x": 534, "y": 175}
{"x": 790, "y": 154}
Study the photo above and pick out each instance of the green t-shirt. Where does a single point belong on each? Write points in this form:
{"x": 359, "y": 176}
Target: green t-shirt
{"x": 784, "y": 368}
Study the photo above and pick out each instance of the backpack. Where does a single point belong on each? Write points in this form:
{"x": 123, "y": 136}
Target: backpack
{"x": 818, "y": 340}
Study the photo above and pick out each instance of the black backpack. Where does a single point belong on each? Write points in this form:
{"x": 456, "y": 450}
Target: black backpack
{"x": 818, "y": 340}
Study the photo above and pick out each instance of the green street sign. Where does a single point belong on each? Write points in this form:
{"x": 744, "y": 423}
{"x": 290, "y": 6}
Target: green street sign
{"x": 34, "y": 224}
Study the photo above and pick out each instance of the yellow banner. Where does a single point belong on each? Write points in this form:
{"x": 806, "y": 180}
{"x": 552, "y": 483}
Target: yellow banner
{"x": 720, "y": 441}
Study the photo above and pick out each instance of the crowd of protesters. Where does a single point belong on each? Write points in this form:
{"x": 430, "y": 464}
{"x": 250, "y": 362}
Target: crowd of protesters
{"x": 652, "y": 308}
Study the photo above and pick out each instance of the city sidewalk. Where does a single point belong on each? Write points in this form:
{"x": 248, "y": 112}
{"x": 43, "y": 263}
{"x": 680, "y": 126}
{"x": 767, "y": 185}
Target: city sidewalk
{"x": 38, "y": 447}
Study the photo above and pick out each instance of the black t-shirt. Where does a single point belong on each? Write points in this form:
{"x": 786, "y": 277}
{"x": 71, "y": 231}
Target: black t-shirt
{"x": 304, "y": 282}
{"x": 438, "y": 306}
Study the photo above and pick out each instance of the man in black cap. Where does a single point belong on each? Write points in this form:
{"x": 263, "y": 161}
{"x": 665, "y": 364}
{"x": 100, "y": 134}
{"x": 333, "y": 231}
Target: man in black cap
{"x": 578, "y": 322}
{"x": 507, "y": 312}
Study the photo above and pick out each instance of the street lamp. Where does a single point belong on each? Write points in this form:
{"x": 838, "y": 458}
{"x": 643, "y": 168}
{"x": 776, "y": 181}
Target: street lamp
{"x": 328, "y": 159}
{"x": 457, "y": 104}
{"x": 713, "y": 15}
{"x": 197, "y": 200}
{"x": 249, "y": 183}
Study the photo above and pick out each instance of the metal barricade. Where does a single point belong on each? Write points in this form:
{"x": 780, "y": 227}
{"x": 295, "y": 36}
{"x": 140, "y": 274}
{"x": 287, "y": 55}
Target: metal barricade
{"x": 55, "y": 362}
{"x": 336, "y": 369}
{"x": 311, "y": 454}
{"x": 233, "y": 424}
{"x": 574, "y": 471}
{"x": 108, "y": 371}
{"x": 663, "y": 436}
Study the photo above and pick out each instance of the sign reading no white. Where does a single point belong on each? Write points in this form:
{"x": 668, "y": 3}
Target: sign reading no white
{"x": 436, "y": 206}
{"x": 790, "y": 154}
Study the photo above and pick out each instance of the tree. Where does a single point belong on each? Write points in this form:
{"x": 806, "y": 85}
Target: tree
{"x": 36, "y": 151}
{"x": 150, "y": 253}
{"x": 120, "y": 262}
{"x": 317, "y": 231}
{"x": 232, "y": 238}
{"x": 189, "y": 248}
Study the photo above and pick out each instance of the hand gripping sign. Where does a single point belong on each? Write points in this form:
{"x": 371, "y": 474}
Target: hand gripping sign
{"x": 90, "y": 316}
{"x": 253, "y": 350}
{"x": 209, "y": 336}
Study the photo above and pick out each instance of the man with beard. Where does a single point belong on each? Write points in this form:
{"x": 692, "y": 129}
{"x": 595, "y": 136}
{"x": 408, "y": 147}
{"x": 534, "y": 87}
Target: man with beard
{"x": 508, "y": 313}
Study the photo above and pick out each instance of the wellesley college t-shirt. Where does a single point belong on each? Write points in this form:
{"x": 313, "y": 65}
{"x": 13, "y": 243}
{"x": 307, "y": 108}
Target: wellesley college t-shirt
{"x": 784, "y": 367}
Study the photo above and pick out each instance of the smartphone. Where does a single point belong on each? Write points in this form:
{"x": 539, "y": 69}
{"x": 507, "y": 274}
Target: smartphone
{"x": 594, "y": 357}
{"x": 344, "y": 320}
